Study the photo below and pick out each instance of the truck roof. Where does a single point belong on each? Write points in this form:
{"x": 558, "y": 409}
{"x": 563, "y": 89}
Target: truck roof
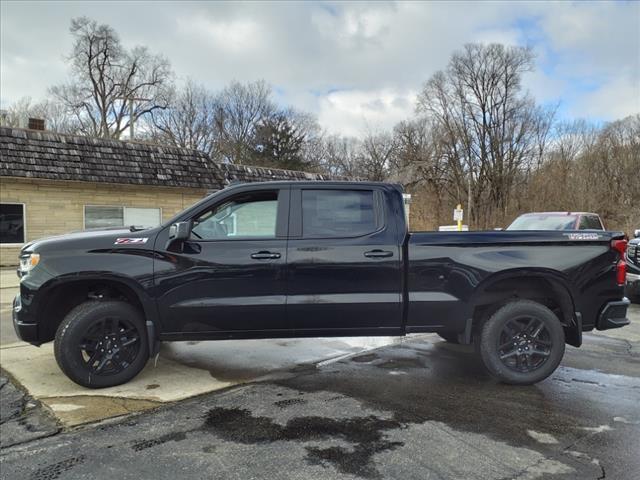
{"x": 559, "y": 213}
{"x": 314, "y": 182}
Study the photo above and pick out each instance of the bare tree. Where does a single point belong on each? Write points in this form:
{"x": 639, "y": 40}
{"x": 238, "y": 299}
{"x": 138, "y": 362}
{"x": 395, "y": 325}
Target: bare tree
{"x": 189, "y": 121}
{"x": 54, "y": 114}
{"x": 241, "y": 108}
{"x": 110, "y": 85}
{"x": 492, "y": 131}
{"x": 420, "y": 164}
{"x": 375, "y": 161}
{"x": 342, "y": 156}
{"x": 592, "y": 168}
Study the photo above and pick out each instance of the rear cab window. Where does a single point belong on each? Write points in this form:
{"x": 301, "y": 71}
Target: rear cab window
{"x": 590, "y": 222}
{"x": 328, "y": 213}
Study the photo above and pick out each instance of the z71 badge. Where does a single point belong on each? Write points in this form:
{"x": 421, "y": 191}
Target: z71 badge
{"x": 130, "y": 241}
{"x": 583, "y": 236}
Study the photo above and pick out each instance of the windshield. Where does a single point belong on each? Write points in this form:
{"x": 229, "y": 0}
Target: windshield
{"x": 544, "y": 222}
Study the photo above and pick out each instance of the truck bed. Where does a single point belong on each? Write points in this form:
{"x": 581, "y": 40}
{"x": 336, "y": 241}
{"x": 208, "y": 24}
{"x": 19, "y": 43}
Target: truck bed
{"x": 450, "y": 274}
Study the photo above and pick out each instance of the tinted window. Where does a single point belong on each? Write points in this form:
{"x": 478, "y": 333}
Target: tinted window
{"x": 11, "y": 223}
{"x": 253, "y": 215}
{"x": 590, "y": 222}
{"x": 337, "y": 213}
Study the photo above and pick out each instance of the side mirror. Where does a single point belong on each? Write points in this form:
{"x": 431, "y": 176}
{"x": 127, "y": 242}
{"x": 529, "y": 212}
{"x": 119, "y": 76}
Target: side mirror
{"x": 180, "y": 231}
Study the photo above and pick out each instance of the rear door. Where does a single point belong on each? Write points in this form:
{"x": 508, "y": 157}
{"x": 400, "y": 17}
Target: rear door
{"x": 343, "y": 262}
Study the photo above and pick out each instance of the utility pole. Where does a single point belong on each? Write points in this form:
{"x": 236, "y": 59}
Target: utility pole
{"x": 132, "y": 101}
{"x": 469, "y": 195}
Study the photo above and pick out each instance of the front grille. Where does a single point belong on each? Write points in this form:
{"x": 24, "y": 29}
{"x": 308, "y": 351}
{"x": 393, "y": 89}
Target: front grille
{"x": 633, "y": 253}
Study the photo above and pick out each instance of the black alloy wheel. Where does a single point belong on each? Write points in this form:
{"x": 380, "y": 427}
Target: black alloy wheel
{"x": 521, "y": 343}
{"x": 524, "y": 344}
{"x": 102, "y": 343}
{"x": 110, "y": 346}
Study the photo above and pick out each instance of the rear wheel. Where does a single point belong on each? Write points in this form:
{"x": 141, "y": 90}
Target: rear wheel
{"x": 521, "y": 343}
{"x": 102, "y": 344}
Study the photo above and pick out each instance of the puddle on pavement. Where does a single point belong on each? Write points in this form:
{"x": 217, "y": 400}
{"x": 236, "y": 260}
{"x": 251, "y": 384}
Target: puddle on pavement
{"x": 366, "y": 358}
{"x": 367, "y": 434}
{"x": 400, "y": 363}
{"x": 77, "y": 410}
{"x": 238, "y": 362}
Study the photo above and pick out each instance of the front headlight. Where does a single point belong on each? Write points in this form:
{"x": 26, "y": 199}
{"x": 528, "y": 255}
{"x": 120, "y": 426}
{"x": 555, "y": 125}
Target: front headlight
{"x": 28, "y": 262}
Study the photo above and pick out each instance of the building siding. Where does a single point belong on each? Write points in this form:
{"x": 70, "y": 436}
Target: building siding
{"x": 57, "y": 207}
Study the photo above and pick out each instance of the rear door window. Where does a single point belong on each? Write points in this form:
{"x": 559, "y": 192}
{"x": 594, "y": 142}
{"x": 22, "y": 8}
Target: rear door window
{"x": 338, "y": 213}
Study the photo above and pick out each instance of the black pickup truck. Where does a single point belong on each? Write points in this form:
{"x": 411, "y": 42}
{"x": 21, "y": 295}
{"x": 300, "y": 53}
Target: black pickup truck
{"x": 314, "y": 259}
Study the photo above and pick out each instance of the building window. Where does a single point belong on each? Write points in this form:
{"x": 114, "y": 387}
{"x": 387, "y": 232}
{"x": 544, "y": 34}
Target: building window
{"x": 101, "y": 216}
{"x": 11, "y": 223}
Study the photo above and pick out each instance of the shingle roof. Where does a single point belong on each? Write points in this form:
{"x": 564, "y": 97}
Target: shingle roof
{"x": 54, "y": 156}
{"x": 48, "y": 155}
{"x": 245, "y": 173}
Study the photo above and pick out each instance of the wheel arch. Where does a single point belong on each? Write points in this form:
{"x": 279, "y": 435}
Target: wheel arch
{"x": 59, "y": 296}
{"x": 549, "y": 287}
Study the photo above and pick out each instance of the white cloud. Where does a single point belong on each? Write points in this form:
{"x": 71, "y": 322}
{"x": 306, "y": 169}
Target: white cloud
{"x": 354, "y": 112}
{"x": 236, "y": 35}
{"x": 371, "y": 58}
{"x": 617, "y": 98}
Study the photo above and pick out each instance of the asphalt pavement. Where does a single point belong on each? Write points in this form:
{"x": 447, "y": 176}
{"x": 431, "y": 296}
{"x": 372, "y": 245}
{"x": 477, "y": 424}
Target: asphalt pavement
{"x": 420, "y": 409}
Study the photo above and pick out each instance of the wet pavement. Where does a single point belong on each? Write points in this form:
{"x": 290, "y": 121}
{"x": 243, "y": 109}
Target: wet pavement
{"x": 421, "y": 409}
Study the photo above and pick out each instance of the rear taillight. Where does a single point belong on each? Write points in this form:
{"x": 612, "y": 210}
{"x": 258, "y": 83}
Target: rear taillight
{"x": 620, "y": 246}
{"x": 621, "y": 272}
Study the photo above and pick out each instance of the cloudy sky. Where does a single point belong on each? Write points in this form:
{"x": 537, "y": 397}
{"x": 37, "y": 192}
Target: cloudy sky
{"x": 357, "y": 66}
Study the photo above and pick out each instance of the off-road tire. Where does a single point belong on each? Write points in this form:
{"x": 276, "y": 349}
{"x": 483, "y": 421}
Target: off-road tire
{"x": 494, "y": 330}
{"x": 71, "y": 334}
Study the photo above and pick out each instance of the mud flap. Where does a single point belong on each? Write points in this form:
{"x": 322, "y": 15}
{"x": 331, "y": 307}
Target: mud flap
{"x": 152, "y": 339}
{"x": 573, "y": 332}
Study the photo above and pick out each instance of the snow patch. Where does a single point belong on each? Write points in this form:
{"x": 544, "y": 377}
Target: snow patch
{"x": 541, "y": 437}
{"x": 600, "y": 429}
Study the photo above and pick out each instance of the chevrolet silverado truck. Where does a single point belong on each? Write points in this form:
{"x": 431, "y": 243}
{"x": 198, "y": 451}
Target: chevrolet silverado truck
{"x": 314, "y": 259}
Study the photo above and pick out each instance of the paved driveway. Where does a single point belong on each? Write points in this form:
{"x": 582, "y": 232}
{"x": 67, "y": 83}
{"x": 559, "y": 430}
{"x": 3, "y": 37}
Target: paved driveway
{"x": 421, "y": 409}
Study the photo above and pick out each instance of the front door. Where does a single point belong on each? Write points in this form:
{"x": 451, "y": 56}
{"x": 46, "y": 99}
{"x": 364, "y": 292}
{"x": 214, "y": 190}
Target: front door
{"x": 228, "y": 279}
{"x": 343, "y": 263}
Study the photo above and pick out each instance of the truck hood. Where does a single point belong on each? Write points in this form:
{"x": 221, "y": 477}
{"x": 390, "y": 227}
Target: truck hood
{"x": 95, "y": 238}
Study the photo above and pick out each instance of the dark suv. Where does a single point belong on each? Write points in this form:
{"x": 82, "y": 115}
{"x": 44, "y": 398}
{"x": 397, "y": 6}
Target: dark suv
{"x": 633, "y": 269}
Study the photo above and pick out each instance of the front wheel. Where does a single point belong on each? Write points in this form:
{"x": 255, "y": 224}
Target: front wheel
{"x": 102, "y": 344}
{"x": 521, "y": 343}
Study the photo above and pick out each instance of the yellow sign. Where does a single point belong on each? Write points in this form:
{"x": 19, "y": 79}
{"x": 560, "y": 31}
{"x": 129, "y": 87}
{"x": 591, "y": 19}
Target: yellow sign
{"x": 458, "y": 216}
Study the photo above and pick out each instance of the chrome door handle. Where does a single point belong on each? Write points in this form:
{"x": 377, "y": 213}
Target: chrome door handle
{"x": 378, "y": 254}
{"x": 265, "y": 255}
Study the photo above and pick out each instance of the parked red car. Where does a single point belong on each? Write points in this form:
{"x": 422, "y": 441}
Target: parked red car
{"x": 557, "y": 221}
